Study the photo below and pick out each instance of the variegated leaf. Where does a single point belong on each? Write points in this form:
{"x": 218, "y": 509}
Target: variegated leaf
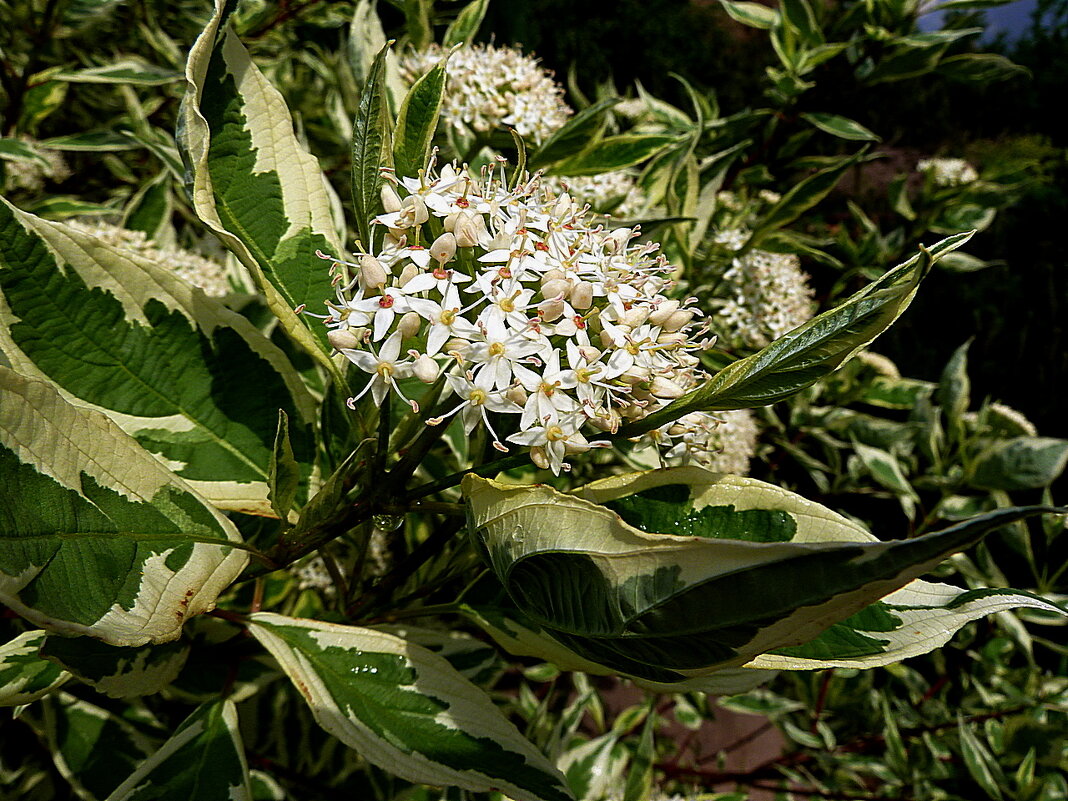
{"x": 747, "y": 568}
{"x": 118, "y": 672}
{"x": 97, "y": 537}
{"x": 406, "y": 709}
{"x": 24, "y": 675}
{"x": 173, "y": 368}
{"x": 254, "y": 184}
{"x": 92, "y": 748}
{"x": 520, "y": 636}
{"x": 204, "y": 760}
{"x": 809, "y": 352}
{"x": 918, "y": 618}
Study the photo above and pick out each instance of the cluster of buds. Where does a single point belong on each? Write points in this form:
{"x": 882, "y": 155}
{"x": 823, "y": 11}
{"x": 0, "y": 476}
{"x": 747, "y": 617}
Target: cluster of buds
{"x": 948, "y": 172}
{"x": 491, "y": 87}
{"x": 536, "y": 319}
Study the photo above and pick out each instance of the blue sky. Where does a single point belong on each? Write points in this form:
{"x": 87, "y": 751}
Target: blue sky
{"x": 1012, "y": 19}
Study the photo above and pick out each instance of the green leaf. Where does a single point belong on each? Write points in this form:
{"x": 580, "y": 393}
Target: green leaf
{"x": 118, "y": 672}
{"x": 1020, "y": 463}
{"x": 372, "y": 146}
{"x": 954, "y": 389}
{"x": 980, "y": 68}
{"x": 92, "y": 142}
{"x": 204, "y": 759}
{"x": 92, "y": 748}
{"x": 463, "y": 29}
{"x": 63, "y": 207}
{"x": 980, "y": 762}
{"x": 764, "y": 569}
{"x": 194, "y": 382}
{"x": 639, "y": 784}
{"x": 40, "y": 102}
{"x": 18, "y": 150}
{"x": 885, "y": 469}
{"x": 899, "y": 197}
{"x": 24, "y": 675}
{"x": 799, "y": 15}
{"x": 809, "y": 352}
{"x": 98, "y": 538}
{"x": 800, "y": 199}
{"x": 406, "y": 709}
{"x": 615, "y": 153}
{"x": 754, "y": 15}
{"x": 573, "y": 135}
{"x": 255, "y": 185}
{"x": 961, "y": 262}
{"x": 417, "y": 121}
{"x": 918, "y": 618}
{"x": 842, "y": 127}
{"x": 126, "y": 71}
{"x": 150, "y": 209}
{"x": 283, "y": 477}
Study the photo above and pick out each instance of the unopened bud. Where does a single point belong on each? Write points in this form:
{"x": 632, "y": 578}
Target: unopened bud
{"x": 555, "y": 274}
{"x": 559, "y": 287}
{"x": 665, "y": 388}
{"x": 564, "y": 205}
{"x": 678, "y": 320}
{"x": 466, "y": 229}
{"x": 409, "y": 325}
{"x": 409, "y": 272}
{"x": 343, "y": 338}
{"x": 372, "y": 273}
{"x": 582, "y": 295}
{"x": 663, "y": 311}
{"x": 635, "y": 317}
{"x": 617, "y": 240}
{"x": 425, "y": 369}
{"x": 449, "y": 223}
{"x": 414, "y": 207}
{"x": 550, "y": 310}
{"x": 589, "y": 353}
{"x": 444, "y": 248}
{"x": 391, "y": 202}
{"x": 516, "y": 394}
{"x": 537, "y": 455}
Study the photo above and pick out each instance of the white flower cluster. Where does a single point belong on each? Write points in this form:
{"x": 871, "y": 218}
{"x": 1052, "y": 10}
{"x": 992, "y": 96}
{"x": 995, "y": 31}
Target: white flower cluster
{"x": 533, "y": 315}
{"x": 615, "y": 192}
{"x": 31, "y": 175}
{"x": 948, "y": 172}
{"x": 767, "y": 295}
{"x": 723, "y": 442}
{"x": 190, "y": 267}
{"x": 489, "y": 87}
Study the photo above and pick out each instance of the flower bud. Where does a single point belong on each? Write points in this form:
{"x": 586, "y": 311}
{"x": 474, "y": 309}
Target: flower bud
{"x": 391, "y": 202}
{"x": 582, "y": 295}
{"x": 516, "y": 394}
{"x": 564, "y": 205}
{"x": 663, "y": 311}
{"x": 425, "y": 369}
{"x": 372, "y": 273}
{"x": 617, "y": 241}
{"x": 678, "y": 320}
{"x": 589, "y": 353}
{"x": 444, "y": 248}
{"x": 558, "y": 287}
{"x": 635, "y": 317}
{"x": 554, "y": 274}
{"x": 537, "y": 455}
{"x": 466, "y": 229}
{"x": 409, "y": 272}
{"x": 550, "y": 310}
{"x": 665, "y": 388}
{"x": 343, "y": 338}
{"x": 414, "y": 208}
{"x": 409, "y": 325}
